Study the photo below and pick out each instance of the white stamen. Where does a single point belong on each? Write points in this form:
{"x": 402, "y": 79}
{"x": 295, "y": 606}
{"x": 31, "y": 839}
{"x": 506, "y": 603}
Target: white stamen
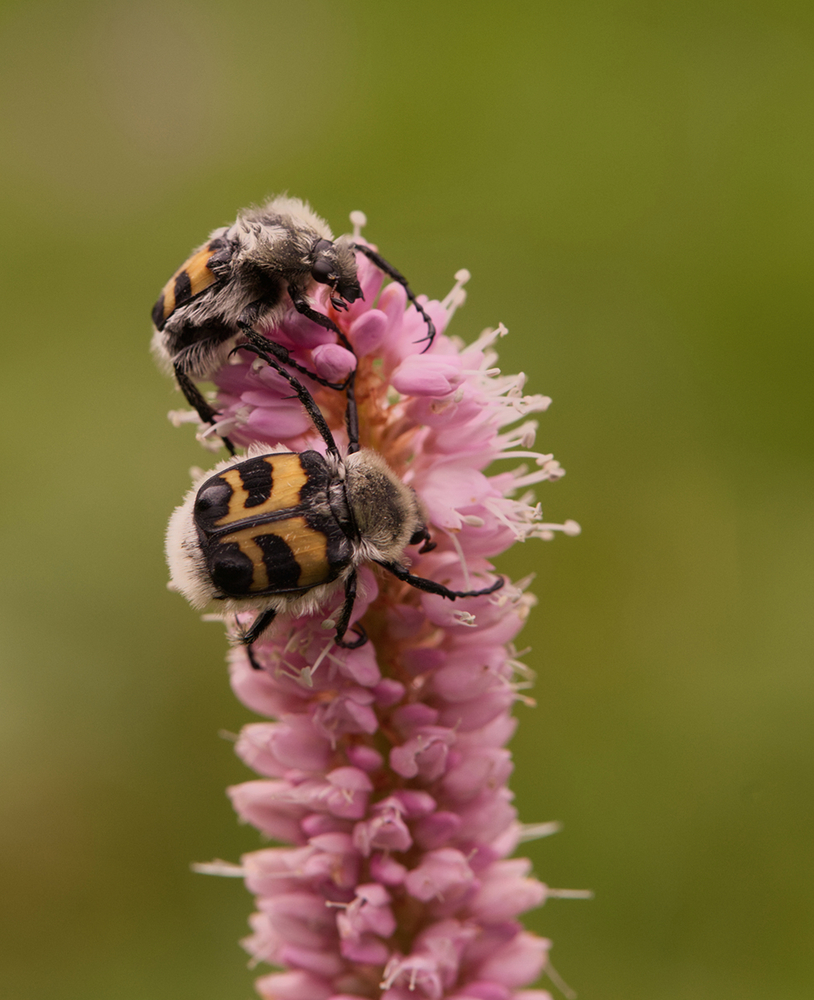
{"x": 455, "y": 299}
{"x": 461, "y": 278}
{"x": 521, "y": 670}
{"x": 536, "y": 831}
{"x": 218, "y": 867}
{"x": 464, "y": 618}
{"x": 559, "y": 982}
{"x": 462, "y": 558}
{"x": 222, "y": 428}
{"x": 569, "y": 893}
{"x": 473, "y": 521}
{"x": 533, "y": 477}
{"x": 307, "y": 673}
{"x": 456, "y": 296}
{"x": 359, "y": 221}
{"x": 179, "y": 417}
{"x": 195, "y": 472}
{"x": 487, "y": 337}
{"x": 211, "y": 444}
{"x": 538, "y": 458}
{"x": 546, "y": 531}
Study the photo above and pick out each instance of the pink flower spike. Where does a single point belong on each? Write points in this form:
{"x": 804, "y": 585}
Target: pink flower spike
{"x": 383, "y": 769}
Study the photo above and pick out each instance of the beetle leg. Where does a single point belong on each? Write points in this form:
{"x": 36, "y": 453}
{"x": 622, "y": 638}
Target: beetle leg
{"x": 304, "y": 309}
{"x": 391, "y": 272}
{"x": 352, "y": 415}
{"x": 259, "y": 626}
{"x": 431, "y": 587}
{"x": 344, "y": 617}
{"x": 303, "y": 394}
{"x": 193, "y": 396}
{"x": 283, "y": 355}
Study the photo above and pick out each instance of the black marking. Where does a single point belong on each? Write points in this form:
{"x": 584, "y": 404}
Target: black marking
{"x": 280, "y": 562}
{"x": 158, "y": 313}
{"x": 212, "y": 501}
{"x": 232, "y": 572}
{"x": 183, "y": 288}
{"x": 196, "y": 340}
{"x": 255, "y": 474}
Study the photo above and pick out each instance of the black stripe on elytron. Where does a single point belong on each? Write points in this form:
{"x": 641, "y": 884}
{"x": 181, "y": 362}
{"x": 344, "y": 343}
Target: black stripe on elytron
{"x": 255, "y": 474}
{"x": 281, "y": 563}
{"x": 232, "y": 571}
{"x": 183, "y": 288}
{"x": 158, "y": 313}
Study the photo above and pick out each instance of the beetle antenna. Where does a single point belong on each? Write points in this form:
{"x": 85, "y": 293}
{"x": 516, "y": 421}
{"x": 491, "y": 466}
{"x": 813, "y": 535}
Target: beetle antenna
{"x": 391, "y": 272}
{"x": 304, "y": 395}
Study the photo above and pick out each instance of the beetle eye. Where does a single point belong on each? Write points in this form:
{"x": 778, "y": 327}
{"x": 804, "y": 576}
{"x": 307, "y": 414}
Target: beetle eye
{"x": 321, "y": 271}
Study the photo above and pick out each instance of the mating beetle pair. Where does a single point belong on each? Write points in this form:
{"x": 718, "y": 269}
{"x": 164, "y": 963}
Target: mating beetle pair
{"x": 280, "y": 532}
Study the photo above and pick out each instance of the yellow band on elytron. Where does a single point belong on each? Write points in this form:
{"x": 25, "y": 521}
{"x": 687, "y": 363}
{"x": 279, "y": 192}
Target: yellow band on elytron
{"x": 309, "y": 548}
{"x": 287, "y": 479}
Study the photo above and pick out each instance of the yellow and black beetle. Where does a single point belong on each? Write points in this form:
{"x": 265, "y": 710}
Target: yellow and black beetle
{"x": 244, "y": 279}
{"x": 279, "y": 532}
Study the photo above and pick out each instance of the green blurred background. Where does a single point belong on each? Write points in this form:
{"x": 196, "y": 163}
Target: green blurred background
{"x": 630, "y": 184}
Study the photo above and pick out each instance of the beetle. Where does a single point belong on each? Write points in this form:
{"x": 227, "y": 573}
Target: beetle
{"x": 244, "y": 279}
{"x": 279, "y": 532}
